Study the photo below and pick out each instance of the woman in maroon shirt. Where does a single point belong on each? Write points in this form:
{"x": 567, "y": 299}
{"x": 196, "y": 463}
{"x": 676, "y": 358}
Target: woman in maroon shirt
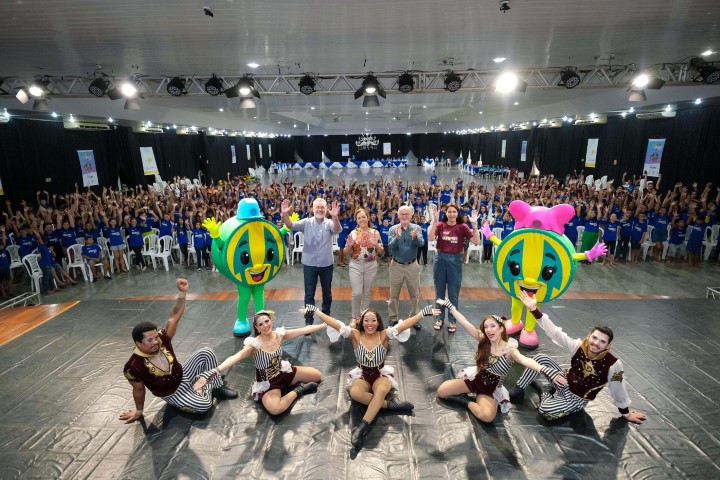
{"x": 447, "y": 272}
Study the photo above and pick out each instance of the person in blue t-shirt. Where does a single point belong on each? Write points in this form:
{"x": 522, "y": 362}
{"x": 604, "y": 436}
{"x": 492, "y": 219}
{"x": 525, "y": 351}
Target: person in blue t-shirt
{"x": 135, "y": 242}
{"x": 198, "y": 236}
{"x": 166, "y": 226}
{"x": 421, "y": 221}
{"x": 677, "y": 238}
{"x": 697, "y": 235}
{"x": 571, "y": 226}
{"x": 28, "y": 240}
{"x": 626, "y": 223}
{"x": 5, "y": 261}
{"x": 590, "y": 234}
{"x": 611, "y": 227}
{"x": 637, "y": 236}
{"x": 68, "y": 236}
{"x": 342, "y": 238}
{"x": 508, "y": 225}
{"x": 116, "y": 244}
{"x": 183, "y": 239}
{"x": 660, "y": 233}
{"x": 433, "y": 178}
{"x": 384, "y": 230}
{"x": 92, "y": 254}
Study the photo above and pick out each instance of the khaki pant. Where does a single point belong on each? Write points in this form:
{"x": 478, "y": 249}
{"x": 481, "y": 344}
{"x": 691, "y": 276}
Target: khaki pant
{"x": 362, "y": 274}
{"x": 399, "y": 274}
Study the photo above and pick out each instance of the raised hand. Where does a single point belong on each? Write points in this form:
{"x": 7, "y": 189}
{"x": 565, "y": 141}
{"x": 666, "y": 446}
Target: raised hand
{"x": 486, "y": 230}
{"x": 474, "y": 215}
{"x": 212, "y": 226}
{"x": 529, "y": 302}
{"x": 429, "y": 311}
{"x": 285, "y": 207}
{"x": 445, "y": 303}
{"x": 309, "y": 309}
{"x": 182, "y": 284}
{"x": 335, "y": 210}
{"x": 598, "y": 250}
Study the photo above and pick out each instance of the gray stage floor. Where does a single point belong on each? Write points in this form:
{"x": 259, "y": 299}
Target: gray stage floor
{"x": 63, "y": 389}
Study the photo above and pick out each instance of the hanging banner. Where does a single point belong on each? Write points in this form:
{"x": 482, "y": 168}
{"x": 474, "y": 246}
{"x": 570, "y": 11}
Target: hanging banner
{"x": 260, "y": 149}
{"x": 502, "y": 152}
{"x": 345, "y": 149}
{"x": 269, "y": 150}
{"x": 247, "y": 147}
{"x": 232, "y": 152}
{"x": 387, "y": 149}
{"x": 591, "y": 154}
{"x": 653, "y": 156}
{"x": 2, "y": 192}
{"x": 523, "y": 151}
{"x": 87, "y": 168}
{"x": 148, "y": 160}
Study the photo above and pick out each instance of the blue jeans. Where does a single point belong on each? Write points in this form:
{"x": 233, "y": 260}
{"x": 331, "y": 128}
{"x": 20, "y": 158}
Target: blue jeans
{"x": 311, "y": 274}
{"x": 447, "y": 274}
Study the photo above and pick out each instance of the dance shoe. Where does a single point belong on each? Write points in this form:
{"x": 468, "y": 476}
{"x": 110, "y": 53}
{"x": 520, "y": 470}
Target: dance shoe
{"x": 461, "y": 399}
{"x": 517, "y": 394}
{"x": 305, "y": 388}
{"x": 395, "y": 405}
{"x": 358, "y": 434}
{"x": 224, "y": 393}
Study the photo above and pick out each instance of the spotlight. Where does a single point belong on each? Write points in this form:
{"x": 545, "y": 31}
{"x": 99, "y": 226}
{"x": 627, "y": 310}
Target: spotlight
{"x": 176, "y": 87}
{"x": 453, "y": 82}
{"x": 128, "y": 89}
{"x": 39, "y": 88}
{"x": 114, "y": 93}
{"x": 214, "y": 86}
{"x": 644, "y": 81}
{"x": 569, "y": 79}
{"x": 247, "y": 102}
{"x": 708, "y": 74}
{"x": 370, "y": 86}
{"x": 371, "y": 101}
{"x": 98, "y": 87}
{"x": 40, "y": 105}
{"x": 244, "y": 88}
{"x": 406, "y": 83}
{"x": 637, "y": 96}
{"x": 508, "y": 82}
{"x": 132, "y": 104}
{"x": 307, "y": 85}
{"x": 22, "y": 96}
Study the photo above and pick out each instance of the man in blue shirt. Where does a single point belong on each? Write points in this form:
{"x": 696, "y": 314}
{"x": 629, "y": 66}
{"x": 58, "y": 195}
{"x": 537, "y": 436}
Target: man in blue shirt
{"x": 404, "y": 240}
{"x": 91, "y": 253}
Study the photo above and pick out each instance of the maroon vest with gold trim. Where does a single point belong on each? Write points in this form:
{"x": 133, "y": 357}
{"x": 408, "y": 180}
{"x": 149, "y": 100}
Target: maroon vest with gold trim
{"x": 587, "y": 377}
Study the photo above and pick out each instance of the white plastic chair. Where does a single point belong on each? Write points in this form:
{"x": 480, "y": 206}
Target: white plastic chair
{"x": 164, "y": 251}
{"x": 580, "y": 230}
{"x": 473, "y": 248}
{"x": 498, "y": 232}
{"x": 299, "y": 241}
{"x": 150, "y": 248}
{"x": 32, "y": 267}
{"x": 191, "y": 248}
{"x": 15, "y": 260}
{"x": 710, "y": 241}
{"x": 80, "y": 240}
{"x": 432, "y": 248}
{"x": 335, "y": 245}
{"x": 288, "y": 248}
{"x": 648, "y": 241}
{"x": 75, "y": 260}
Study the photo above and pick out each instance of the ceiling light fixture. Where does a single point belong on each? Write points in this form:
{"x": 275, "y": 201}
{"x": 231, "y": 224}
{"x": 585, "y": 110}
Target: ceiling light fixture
{"x": 406, "y": 83}
{"x": 177, "y": 87}
{"x": 247, "y": 102}
{"x": 307, "y": 85}
{"x": 453, "y": 82}
{"x": 508, "y": 82}
{"x": 645, "y": 81}
{"x": 128, "y": 89}
{"x": 698, "y": 101}
{"x": 499, "y": 59}
{"x": 40, "y": 105}
{"x": 39, "y": 87}
{"x": 22, "y": 96}
{"x": 637, "y": 96}
{"x": 706, "y": 53}
{"x": 99, "y": 87}
{"x": 214, "y": 86}
{"x": 253, "y": 65}
{"x": 132, "y": 104}
{"x": 569, "y": 79}
{"x": 371, "y": 101}
{"x": 708, "y": 74}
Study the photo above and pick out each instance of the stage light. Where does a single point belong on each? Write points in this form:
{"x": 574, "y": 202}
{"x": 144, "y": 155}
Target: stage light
{"x": 453, "y": 82}
{"x": 645, "y": 81}
{"x": 307, "y": 85}
{"x": 214, "y": 86}
{"x": 637, "y": 96}
{"x": 40, "y": 105}
{"x": 569, "y": 79}
{"x": 509, "y": 82}
{"x": 244, "y": 88}
{"x": 128, "y": 90}
{"x": 708, "y": 74}
{"x": 247, "y": 102}
{"x": 176, "y": 87}
{"x": 370, "y": 86}
{"x": 99, "y": 87}
{"x": 39, "y": 88}
{"x": 132, "y": 104}
{"x": 370, "y": 101}
{"x": 22, "y": 96}
{"x": 406, "y": 83}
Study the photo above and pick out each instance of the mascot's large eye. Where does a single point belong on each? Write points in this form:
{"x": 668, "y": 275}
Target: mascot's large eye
{"x": 548, "y": 272}
{"x": 245, "y": 258}
{"x": 514, "y": 268}
{"x": 270, "y": 255}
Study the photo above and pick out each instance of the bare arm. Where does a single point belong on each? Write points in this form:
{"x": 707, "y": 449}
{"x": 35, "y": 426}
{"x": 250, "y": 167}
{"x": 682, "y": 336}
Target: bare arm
{"x": 299, "y": 332}
{"x": 177, "y": 310}
{"x": 130, "y": 416}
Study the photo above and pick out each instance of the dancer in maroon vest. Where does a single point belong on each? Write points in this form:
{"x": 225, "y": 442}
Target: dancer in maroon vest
{"x": 591, "y": 368}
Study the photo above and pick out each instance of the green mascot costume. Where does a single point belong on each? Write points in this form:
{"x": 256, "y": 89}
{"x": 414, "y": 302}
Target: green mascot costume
{"x": 248, "y": 250}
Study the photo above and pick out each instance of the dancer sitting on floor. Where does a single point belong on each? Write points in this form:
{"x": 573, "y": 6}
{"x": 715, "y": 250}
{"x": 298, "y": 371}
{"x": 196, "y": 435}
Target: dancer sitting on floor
{"x": 493, "y": 359}
{"x": 154, "y": 365}
{"x": 591, "y": 368}
{"x": 371, "y": 380}
{"x": 272, "y": 373}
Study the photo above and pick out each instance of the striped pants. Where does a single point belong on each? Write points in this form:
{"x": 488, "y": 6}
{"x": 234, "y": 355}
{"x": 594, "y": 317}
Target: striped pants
{"x": 187, "y": 399}
{"x": 563, "y": 402}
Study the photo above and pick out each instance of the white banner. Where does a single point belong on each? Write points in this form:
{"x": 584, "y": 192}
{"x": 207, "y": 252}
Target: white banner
{"x": 260, "y": 150}
{"x": 87, "y": 168}
{"x": 148, "y": 161}
{"x": 387, "y": 149}
{"x": 269, "y": 150}
{"x": 345, "y": 149}
{"x": 232, "y": 151}
{"x": 502, "y": 152}
{"x": 247, "y": 147}
{"x": 591, "y": 154}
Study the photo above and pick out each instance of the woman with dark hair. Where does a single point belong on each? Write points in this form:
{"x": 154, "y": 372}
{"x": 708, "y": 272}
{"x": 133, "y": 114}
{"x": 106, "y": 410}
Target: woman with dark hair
{"x": 493, "y": 359}
{"x": 371, "y": 380}
{"x": 271, "y": 373}
{"x": 447, "y": 269}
